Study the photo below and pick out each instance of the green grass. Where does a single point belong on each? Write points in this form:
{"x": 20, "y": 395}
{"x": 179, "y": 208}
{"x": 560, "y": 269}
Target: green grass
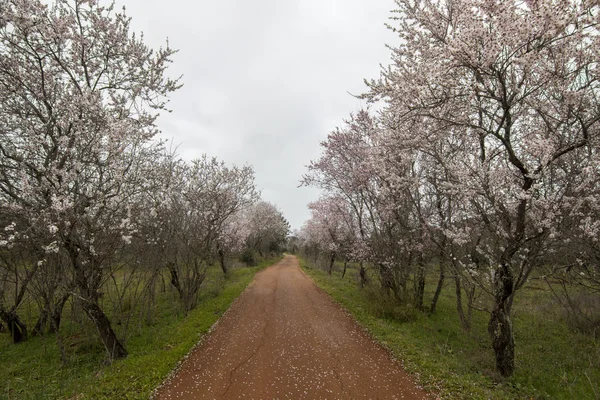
{"x": 33, "y": 370}
{"x": 552, "y": 362}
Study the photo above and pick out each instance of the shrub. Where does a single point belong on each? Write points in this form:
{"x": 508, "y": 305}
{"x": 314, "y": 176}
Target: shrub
{"x": 249, "y": 257}
{"x": 387, "y": 307}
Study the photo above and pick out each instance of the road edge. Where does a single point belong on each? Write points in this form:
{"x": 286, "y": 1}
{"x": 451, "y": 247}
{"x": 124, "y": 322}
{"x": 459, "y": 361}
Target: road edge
{"x": 202, "y": 339}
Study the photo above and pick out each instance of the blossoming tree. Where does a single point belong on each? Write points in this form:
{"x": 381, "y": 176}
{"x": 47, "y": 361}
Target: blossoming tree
{"x": 80, "y": 96}
{"x": 514, "y": 86}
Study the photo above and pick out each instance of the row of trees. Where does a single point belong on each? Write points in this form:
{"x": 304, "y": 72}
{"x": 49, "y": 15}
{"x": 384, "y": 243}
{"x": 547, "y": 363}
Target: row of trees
{"x": 88, "y": 198}
{"x": 482, "y": 159}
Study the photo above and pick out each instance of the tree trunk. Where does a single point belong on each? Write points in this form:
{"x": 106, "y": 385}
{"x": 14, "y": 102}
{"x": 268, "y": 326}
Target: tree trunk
{"x": 464, "y": 321}
{"x": 363, "y": 275}
{"x": 438, "y": 289}
{"x": 331, "y": 262}
{"x": 61, "y": 348}
{"x": 189, "y": 298}
{"x": 163, "y": 286}
{"x": 470, "y": 300}
{"x": 16, "y": 327}
{"x": 222, "y": 261}
{"x": 419, "y": 287}
{"x": 88, "y": 296}
{"x": 41, "y": 323}
{"x": 500, "y": 325}
{"x": 55, "y": 320}
{"x": 56, "y": 314}
{"x": 151, "y": 303}
{"x": 179, "y": 287}
{"x": 113, "y": 346}
{"x": 188, "y": 284}
{"x": 389, "y": 283}
{"x": 175, "y": 279}
{"x": 54, "y": 328}
{"x": 50, "y": 316}
{"x": 345, "y": 266}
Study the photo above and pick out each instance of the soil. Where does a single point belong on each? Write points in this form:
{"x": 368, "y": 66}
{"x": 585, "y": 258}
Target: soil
{"x": 284, "y": 338}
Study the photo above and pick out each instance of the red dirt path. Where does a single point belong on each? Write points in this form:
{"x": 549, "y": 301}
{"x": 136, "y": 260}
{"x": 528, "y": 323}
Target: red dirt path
{"x": 285, "y": 339}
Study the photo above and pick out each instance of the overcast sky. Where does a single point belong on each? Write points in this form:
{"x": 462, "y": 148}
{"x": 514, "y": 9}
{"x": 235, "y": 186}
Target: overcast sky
{"x": 265, "y": 80}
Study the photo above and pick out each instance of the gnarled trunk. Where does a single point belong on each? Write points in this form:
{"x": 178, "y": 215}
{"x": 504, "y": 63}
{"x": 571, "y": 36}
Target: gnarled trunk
{"x": 113, "y": 346}
{"x": 87, "y": 282}
{"x": 388, "y": 283}
{"x": 50, "y": 316}
{"x": 222, "y": 261}
{"x": 56, "y": 314}
{"x": 331, "y": 262}
{"x": 188, "y": 285}
{"x": 500, "y": 325}
{"x": 500, "y": 330}
{"x": 438, "y": 289}
{"x": 16, "y": 327}
{"x": 41, "y": 323}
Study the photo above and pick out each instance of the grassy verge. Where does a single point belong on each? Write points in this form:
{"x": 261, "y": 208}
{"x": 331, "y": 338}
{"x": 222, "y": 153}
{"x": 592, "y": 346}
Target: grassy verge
{"x": 551, "y": 361}
{"x": 33, "y": 370}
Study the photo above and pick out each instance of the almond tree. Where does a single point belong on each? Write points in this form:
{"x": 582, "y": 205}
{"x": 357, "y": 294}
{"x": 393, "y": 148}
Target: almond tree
{"x": 268, "y": 228}
{"x": 221, "y": 192}
{"x": 233, "y": 237}
{"x": 331, "y": 227}
{"x": 189, "y": 221}
{"x": 345, "y": 170}
{"x": 80, "y": 96}
{"x": 514, "y": 85}
{"x": 356, "y": 166}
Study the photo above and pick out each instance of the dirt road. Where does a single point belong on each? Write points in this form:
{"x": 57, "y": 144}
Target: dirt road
{"x": 285, "y": 339}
